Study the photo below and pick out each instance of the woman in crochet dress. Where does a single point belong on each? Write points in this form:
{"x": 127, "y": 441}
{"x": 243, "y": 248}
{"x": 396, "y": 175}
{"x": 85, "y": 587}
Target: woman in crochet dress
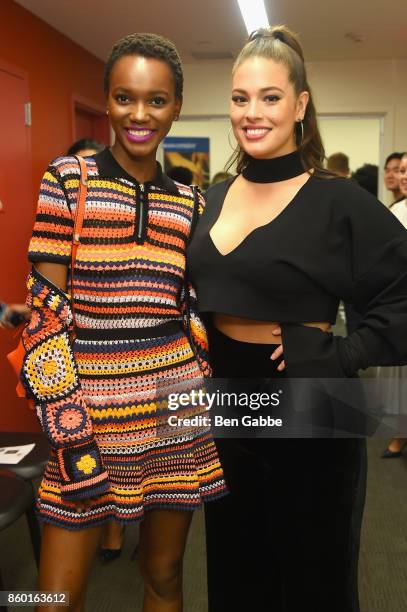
{"x": 103, "y": 400}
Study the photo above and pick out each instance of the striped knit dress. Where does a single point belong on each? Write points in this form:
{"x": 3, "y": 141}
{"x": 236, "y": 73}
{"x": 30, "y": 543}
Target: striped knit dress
{"x": 105, "y": 407}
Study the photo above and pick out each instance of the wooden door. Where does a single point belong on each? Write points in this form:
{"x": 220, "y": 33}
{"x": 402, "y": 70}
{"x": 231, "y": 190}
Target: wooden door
{"x": 91, "y": 123}
{"x": 16, "y": 220}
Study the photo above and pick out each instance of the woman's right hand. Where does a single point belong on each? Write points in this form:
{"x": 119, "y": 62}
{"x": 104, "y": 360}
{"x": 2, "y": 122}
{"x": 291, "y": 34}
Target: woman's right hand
{"x": 279, "y": 350}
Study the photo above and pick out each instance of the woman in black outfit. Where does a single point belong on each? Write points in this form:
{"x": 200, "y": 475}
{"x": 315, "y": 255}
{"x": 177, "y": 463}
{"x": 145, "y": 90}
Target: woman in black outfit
{"x": 276, "y": 249}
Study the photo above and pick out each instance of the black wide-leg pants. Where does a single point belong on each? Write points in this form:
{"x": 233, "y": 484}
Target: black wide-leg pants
{"x": 286, "y": 538}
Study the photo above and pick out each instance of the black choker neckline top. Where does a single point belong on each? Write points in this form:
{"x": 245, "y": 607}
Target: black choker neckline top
{"x": 275, "y": 169}
{"x": 334, "y": 241}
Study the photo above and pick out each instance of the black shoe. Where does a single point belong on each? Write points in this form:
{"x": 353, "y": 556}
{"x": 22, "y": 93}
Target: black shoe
{"x": 107, "y": 555}
{"x": 389, "y": 454}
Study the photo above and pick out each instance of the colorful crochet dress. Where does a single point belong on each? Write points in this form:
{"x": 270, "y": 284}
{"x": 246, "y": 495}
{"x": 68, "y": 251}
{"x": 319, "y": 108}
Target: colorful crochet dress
{"x": 103, "y": 400}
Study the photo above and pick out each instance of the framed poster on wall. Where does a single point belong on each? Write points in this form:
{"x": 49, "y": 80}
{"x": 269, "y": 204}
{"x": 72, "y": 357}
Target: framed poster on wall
{"x": 188, "y": 152}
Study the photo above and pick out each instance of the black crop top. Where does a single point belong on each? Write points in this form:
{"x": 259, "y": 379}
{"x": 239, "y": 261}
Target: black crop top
{"x": 333, "y": 241}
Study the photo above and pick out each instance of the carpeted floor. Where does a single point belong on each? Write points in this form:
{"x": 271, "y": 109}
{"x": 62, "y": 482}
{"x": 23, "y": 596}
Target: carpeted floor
{"x": 383, "y": 561}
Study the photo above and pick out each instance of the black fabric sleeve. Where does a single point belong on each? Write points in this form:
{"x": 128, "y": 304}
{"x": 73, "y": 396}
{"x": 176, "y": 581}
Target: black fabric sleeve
{"x": 379, "y": 256}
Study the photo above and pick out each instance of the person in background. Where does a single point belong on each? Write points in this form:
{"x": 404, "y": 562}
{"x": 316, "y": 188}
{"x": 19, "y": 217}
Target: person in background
{"x": 85, "y": 147}
{"x": 221, "y": 176}
{"x": 391, "y": 175}
{"x": 12, "y": 315}
{"x": 338, "y": 163}
{"x": 276, "y": 249}
{"x": 399, "y": 209}
{"x": 367, "y": 176}
{"x": 181, "y": 175}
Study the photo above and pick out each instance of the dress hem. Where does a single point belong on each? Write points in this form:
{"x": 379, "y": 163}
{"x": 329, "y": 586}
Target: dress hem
{"x": 45, "y": 518}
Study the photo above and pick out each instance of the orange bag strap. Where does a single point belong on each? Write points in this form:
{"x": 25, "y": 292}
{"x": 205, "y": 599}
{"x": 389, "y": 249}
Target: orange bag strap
{"x": 78, "y": 223}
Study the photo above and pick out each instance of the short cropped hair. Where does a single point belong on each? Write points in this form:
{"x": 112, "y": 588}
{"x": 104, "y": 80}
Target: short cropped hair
{"x": 338, "y": 163}
{"x": 85, "y": 143}
{"x": 394, "y": 155}
{"x": 146, "y": 45}
{"x": 367, "y": 176}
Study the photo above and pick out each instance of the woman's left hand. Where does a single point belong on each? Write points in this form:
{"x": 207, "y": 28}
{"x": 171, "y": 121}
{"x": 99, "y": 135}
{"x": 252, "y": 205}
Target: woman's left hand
{"x": 279, "y": 350}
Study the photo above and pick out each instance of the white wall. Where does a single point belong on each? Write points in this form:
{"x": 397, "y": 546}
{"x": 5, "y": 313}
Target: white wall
{"x": 348, "y": 87}
{"x": 358, "y": 137}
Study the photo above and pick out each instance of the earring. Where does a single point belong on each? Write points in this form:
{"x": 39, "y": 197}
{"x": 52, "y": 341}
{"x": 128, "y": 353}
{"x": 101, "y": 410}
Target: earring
{"x": 176, "y": 118}
{"x": 107, "y": 111}
{"x": 230, "y": 144}
{"x": 302, "y": 132}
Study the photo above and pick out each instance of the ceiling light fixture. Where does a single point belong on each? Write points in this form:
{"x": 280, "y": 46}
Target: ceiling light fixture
{"x": 254, "y": 14}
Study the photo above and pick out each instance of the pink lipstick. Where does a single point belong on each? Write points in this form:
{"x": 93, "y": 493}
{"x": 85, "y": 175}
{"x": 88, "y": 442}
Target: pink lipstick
{"x": 139, "y": 134}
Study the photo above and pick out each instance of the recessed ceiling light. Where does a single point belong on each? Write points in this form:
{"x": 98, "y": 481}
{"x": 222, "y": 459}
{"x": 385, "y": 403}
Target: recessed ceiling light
{"x": 254, "y": 14}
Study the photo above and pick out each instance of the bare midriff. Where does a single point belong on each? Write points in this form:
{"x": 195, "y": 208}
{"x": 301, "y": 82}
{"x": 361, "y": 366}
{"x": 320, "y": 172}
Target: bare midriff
{"x": 250, "y": 330}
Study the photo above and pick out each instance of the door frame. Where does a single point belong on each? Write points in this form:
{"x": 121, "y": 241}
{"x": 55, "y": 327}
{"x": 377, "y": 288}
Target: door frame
{"x": 22, "y": 74}
{"x": 381, "y": 116}
{"x": 18, "y": 72}
{"x": 87, "y": 105}
{"x": 14, "y": 70}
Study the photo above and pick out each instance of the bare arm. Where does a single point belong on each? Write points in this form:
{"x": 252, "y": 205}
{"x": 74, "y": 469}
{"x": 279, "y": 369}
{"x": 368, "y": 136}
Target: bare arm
{"x": 56, "y": 273}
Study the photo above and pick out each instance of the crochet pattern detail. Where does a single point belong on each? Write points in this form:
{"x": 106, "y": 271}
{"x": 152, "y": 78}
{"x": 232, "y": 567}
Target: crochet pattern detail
{"x": 103, "y": 401}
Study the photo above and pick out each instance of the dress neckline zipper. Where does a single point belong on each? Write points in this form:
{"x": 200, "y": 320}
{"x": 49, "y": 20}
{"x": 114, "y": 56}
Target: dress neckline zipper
{"x": 141, "y": 212}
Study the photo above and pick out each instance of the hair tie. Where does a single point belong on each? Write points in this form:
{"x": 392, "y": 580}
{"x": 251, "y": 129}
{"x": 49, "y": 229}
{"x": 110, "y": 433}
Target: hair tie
{"x": 279, "y": 36}
{"x": 263, "y": 33}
